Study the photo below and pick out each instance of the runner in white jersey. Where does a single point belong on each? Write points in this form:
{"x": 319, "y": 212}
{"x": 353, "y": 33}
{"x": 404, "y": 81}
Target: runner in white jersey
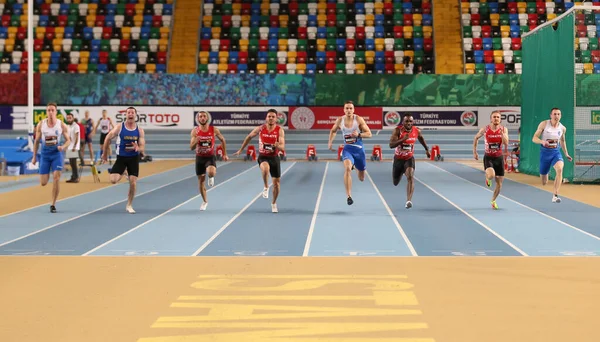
{"x": 551, "y": 135}
{"x": 50, "y": 131}
{"x": 105, "y": 124}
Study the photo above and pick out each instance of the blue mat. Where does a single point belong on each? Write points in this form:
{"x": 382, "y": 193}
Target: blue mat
{"x": 13, "y": 143}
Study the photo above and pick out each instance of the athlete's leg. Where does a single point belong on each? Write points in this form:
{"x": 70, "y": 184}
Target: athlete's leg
{"x": 558, "y": 167}
{"x": 265, "y": 169}
{"x": 44, "y": 171}
{"x": 131, "y": 194}
{"x": 211, "y": 170}
{"x": 545, "y": 164}
{"x": 348, "y": 177}
{"x": 489, "y": 171}
{"x": 56, "y": 167}
{"x": 397, "y": 171}
{"x": 276, "y": 188}
{"x": 55, "y": 186}
{"x": 360, "y": 164}
{"x": 499, "y": 180}
{"x": 410, "y": 185}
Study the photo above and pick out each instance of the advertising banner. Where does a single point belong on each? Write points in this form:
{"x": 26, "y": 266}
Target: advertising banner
{"x": 6, "y": 120}
{"x": 432, "y": 117}
{"x": 241, "y": 116}
{"x": 511, "y": 116}
{"x": 150, "y": 118}
{"x": 306, "y": 118}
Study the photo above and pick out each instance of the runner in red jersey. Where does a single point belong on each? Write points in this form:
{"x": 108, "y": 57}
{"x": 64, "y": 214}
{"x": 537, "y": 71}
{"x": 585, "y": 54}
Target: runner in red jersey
{"x": 495, "y": 135}
{"x": 203, "y": 143}
{"x": 271, "y": 140}
{"x": 403, "y": 140}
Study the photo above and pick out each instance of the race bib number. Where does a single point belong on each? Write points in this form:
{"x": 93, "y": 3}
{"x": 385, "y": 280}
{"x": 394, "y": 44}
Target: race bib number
{"x": 494, "y": 146}
{"x": 406, "y": 147}
{"x": 104, "y": 127}
{"x": 51, "y": 140}
{"x": 269, "y": 147}
{"x": 349, "y": 139}
{"x": 129, "y": 147}
{"x": 552, "y": 143}
{"x": 204, "y": 144}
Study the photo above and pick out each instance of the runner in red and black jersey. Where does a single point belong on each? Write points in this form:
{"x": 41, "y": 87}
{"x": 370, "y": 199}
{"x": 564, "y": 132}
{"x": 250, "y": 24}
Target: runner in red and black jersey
{"x": 495, "y": 135}
{"x": 203, "y": 143}
{"x": 271, "y": 140}
{"x": 403, "y": 140}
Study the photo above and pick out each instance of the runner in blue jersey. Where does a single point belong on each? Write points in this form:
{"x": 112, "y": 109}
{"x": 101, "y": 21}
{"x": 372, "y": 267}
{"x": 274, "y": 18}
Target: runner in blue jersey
{"x": 551, "y": 135}
{"x": 50, "y": 131}
{"x": 354, "y": 129}
{"x": 130, "y": 143}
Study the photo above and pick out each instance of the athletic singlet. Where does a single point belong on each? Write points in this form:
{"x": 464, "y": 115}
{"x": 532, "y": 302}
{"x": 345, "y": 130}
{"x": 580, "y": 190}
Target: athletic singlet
{"x": 552, "y": 135}
{"x": 493, "y": 141}
{"x": 205, "y": 146}
{"x": 349, "y": 140}
{"x": 125, "y": 140}
{"x": 267, "y": 140}
{"x": 51, "y": 137}
{"x": 89, "y": 126}
{"x": 105, "y": 126}
{"x": 405, "y": 151}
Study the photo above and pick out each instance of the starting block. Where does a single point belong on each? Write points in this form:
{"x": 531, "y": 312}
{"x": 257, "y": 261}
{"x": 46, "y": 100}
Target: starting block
{"x": 340, "y": 150}
{"x": 250, "y": 153}
{"x": 311, "y": 153}
{"x": 220, "y": 152}
{"x": 282, "y": 155}
{"x": 435, "y": 153}
{"x": 377, "y": 154}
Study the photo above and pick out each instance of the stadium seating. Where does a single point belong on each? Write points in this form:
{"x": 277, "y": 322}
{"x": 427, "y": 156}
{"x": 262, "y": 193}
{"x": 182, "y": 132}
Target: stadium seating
{"x": 492, "y": 34}
{"x": 13, "y": 34}
{"x": 318, "y": 36}
{"x": 98, "y": 36}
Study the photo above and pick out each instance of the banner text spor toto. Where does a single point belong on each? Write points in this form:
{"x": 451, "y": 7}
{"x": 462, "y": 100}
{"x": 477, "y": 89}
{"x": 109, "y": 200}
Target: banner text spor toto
{"x": 306, "y": 118}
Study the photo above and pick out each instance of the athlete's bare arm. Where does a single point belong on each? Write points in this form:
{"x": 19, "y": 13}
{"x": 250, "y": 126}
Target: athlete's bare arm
{"x": 536, "y": 136}
{"x": 141, "y": 143}
{"x": 223, "y": 142}
{"x": 193, "y": 139}
{"x": 476, "y": 140}
{"x": 422, "y": 141}
{"x": 365, "y": 131}
{"x": 36, "y": 142}
{"x": 505, "y": 136}
{"x": 281, "y": 143}
{"x": 113, "y": 133}
{"x": 563, "y": 144}
{"x": 247, "y": 140}
{"x": 333, "y": 132}
{"x": 65, "y": 134}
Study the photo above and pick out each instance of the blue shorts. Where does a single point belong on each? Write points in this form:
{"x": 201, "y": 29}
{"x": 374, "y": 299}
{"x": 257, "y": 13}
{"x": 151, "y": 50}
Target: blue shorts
{"x": 549, "y": 157}
{"x": 51, "y": 162}
{"x": 356, "y": 156}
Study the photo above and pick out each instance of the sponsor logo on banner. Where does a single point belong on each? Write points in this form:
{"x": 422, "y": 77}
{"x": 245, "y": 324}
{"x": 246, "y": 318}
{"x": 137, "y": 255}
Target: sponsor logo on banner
{"x": 595, "y": 117}
{"x": 427, "y": 117}
{"x": 150, "y": 118}
{"x": 240, "y": 117}
{"x": 511, "y": 116}
{"x": 305, "y": 118}
{"x": 147, "y": 117}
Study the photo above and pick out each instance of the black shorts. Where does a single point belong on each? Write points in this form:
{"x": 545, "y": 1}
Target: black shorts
{"x": 131, "y": 164}
{"x": 274, "y": 164}
{"x": 496, "y": 162}
{"x": 202, "y": 163}
{"x": 103, "y": 138}
{"x": 400, "y": 166}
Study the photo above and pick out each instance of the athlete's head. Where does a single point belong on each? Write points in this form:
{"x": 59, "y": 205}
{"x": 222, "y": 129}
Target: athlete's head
{"x": 271, "y": 117}
{"x": 349, "y": 108}
{"x": 131, "y": 113}
{"x": 495, "y": 117}
{"x": 104, "y": 113}
{"x": 69, "y": 118}
{"x": 555, "y": 114}
{"x": 407, "y": 121}
{"x": 87, "y": 114}
{"x": 51, "y": 110}
{"x": 203, "y": 118}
